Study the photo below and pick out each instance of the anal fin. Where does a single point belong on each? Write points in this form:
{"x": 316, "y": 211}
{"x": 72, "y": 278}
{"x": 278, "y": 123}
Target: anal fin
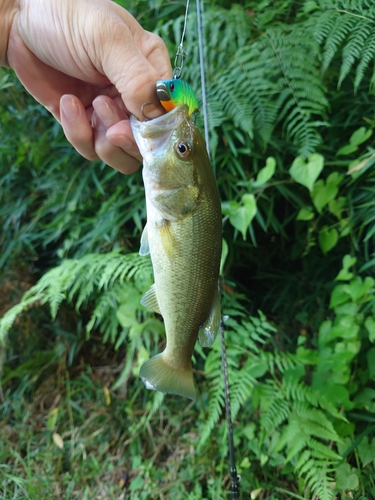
{"x": 208, "y": 331}
{"x": 150, "y": 300}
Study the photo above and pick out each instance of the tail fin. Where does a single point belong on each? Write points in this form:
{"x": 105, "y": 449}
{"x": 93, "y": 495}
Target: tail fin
{"x": 157, "y": 375}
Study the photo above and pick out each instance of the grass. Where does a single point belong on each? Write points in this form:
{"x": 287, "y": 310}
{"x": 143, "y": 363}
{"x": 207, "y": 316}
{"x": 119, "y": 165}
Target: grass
{"x": 65, "y": 434}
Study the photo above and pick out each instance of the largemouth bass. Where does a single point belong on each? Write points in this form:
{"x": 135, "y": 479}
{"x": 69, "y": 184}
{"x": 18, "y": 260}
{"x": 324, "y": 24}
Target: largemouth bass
{"x": 183, "y": 237}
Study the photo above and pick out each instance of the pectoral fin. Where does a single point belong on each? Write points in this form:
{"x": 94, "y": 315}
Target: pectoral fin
{"x": 168, "y": 240}
{"x": 150, "y": 300}
{"x": 208, "y": 331}
{"x": 145, "y": 248}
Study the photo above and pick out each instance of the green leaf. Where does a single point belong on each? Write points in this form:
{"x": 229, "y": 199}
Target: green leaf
{"x": 336, "y": 206}
{"x": 358, "y": 288}
{"x": 306, "y": 173}
{"x": 245, "y": 463}
{"x": 347, "y": 262}
{"x": 306, "y": 213}
{"x": 240, "y": 216}
{"x": 347, "y": 150}
{"x": 346, "y": 478}
{"x": 358, "y": 137}
{"x": 345, "y": 227}
{"x": 344, "y": 275}
{"x": 52, "y": 418}
{"x": 324, "y": 192}
{"x": 344, "y": 327}
{"x": 325, "y": 332}
{"x": 366, "y": 451}
{"x": 370, "y": 327}
{"x": 328, "y": 238}
{"x": 340, "y": 295}
{"x": 265, "y": 174}
{"x": 366, "y": 399}
{"x": 130, "y": 303}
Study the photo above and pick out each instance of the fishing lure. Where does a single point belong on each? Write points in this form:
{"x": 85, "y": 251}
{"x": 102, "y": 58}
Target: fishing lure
{"x": 172, "y": 93}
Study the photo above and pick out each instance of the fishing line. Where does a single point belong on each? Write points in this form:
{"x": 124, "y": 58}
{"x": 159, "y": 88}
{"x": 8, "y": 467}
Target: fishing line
{"x": 234, "y": 477}
{"x": 203, "y": 77}
{"x": 181, "y": 54}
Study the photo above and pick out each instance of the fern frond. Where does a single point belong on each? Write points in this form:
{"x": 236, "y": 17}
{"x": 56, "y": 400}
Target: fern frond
{"x": 342, "y": 26}
{"x": 298, "y": 391}
{"x": 6, "y": 322}
{"x": 235, "y": 105}
{"x": 277, "y": 412}
{"x": 358, "y": 40}
{"x": 346, "y": 26}
{"x": 241, "y": 388}
{"x": 317, "y": 480}
{"x": 216, "y": 404}
{"x": 280, "y": 361}
{"x": 316, "y": 423}
{"x": 215, "y": 409}
{"x": 303, "y": 458}
{"x": 294, "y": 436}
{"x": 321, "y": 451}
{"x": 107, "y": 302}
{"x": 76, "y": 280}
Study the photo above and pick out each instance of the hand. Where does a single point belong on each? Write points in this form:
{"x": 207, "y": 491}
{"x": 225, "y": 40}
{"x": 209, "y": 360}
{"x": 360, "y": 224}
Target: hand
{"x": 91, "y": 65}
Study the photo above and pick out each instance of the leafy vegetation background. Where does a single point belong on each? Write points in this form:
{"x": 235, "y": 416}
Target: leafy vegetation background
{"x": 291, "y": 106}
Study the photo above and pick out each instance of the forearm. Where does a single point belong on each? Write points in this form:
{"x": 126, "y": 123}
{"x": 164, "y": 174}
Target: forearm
{"x": 8, "y": 9}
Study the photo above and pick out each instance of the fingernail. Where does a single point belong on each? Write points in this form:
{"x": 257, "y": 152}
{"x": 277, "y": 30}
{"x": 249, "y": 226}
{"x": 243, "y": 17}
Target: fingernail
{"x": 105, "y": 113}
{"x": 122, "y": 142}
{"x": 97, "y": 123}
{"x": 94, "y": 119}
{"x": 69, "y": 108}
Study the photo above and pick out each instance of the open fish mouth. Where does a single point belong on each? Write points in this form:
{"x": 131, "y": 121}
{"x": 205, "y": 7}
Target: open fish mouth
{"x": 152, "y": 136}
{"x": 157, "y": 126}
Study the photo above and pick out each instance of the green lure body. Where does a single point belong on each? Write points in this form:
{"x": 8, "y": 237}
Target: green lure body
{"x": 173, "y": 93}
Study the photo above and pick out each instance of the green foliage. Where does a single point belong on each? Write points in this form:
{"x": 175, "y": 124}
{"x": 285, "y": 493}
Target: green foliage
{"x": 53, "y": 203}
{"x": 291, "y": 117}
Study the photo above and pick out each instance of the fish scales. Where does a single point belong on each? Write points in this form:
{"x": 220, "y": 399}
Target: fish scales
{"x": 183, "y": 237}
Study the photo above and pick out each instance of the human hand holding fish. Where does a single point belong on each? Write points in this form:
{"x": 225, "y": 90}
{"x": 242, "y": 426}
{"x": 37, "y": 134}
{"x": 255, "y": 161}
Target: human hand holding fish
{"x": 91, "y": 65}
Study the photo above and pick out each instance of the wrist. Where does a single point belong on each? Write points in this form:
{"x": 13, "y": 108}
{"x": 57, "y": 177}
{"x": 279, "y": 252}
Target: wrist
{"x": 8, "y": 9}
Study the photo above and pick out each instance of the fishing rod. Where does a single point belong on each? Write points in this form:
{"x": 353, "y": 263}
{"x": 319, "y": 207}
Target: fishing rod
{"x": 234, "y": 477}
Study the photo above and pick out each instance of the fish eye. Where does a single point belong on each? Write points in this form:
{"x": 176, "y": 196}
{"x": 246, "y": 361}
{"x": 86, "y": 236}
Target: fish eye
{"x": 171, "y": 86}
{"x": 183, "y": 149}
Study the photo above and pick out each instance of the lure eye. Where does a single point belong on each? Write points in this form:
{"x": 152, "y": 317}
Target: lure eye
{"x": 183, "y": 149}
{"x": 171, "y": 86}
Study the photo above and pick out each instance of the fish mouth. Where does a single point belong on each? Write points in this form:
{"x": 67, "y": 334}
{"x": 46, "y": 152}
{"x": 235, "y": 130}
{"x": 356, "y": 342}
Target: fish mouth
{"x": 162, "y": 91}
{"x": 153, "y": 136}
{"x": 159, "y": 126}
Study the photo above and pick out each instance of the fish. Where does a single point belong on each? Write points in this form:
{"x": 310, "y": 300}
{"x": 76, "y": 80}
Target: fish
{"x": 172, "y": 93}
{"x": 183, "y": 235}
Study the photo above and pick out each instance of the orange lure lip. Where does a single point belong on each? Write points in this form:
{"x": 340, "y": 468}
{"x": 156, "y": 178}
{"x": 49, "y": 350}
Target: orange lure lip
{"x": 167, "y": 105}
